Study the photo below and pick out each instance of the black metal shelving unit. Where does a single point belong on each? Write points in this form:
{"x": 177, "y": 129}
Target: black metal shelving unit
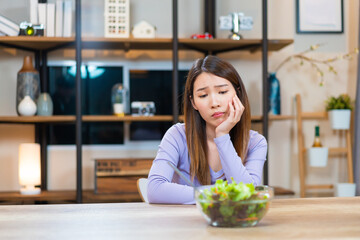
{"x": 265, "y": 85}
{"x": 42, "y": 46}
{"x": 78, "y": 124}
{"x": 210, "y": 21}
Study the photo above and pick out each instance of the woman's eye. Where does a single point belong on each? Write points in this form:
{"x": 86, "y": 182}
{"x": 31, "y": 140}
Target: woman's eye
{"x": 223, "y": 92}
{"x": 202, "y": 96}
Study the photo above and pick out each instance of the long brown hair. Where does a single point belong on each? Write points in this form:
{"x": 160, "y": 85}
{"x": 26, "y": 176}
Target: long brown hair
{"x": 195, "y": 126}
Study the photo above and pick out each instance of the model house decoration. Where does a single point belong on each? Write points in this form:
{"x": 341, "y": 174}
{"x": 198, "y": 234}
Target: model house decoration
{"x": 144, "y": 30}
{"x": 117, "y": 18}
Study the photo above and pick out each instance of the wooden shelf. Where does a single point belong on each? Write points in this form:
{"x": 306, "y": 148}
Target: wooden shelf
{"x": 36, "y": 42}
{"x": 333, "y": 150}
{"x": 111, "y": 118}
{"x": 273, "y": 117}
{"x": 320, "y": 186}
{"x": 230, "y": 45}
{"x": 86, "y": 118}
{"x": 67, "y": 197}
{"x": 64, "y": 196}
{"x": 36, "y": 119}
{"x": 213, "y": 45}
{"x": 315, "y": 115}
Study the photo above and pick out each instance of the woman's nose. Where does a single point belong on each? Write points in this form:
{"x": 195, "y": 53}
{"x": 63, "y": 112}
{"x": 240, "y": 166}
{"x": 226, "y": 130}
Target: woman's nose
{"x": 214, "y": 101}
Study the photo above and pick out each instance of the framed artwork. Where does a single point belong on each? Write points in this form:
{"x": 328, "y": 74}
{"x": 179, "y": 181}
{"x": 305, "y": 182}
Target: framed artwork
{"x": 319, "y": 16}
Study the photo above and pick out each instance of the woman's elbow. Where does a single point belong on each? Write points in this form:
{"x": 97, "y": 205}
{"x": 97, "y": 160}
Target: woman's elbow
{"x": 153, "y": 194}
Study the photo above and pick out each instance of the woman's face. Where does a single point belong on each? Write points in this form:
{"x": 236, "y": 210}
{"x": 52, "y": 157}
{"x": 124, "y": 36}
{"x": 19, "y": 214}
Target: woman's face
{"x": 211, "y": 97}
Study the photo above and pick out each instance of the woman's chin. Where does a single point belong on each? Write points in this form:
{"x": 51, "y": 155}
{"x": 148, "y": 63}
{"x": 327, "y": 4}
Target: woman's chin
{"x": 219, "y": 121}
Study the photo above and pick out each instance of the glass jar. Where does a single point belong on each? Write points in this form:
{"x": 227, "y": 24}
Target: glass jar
{"x": 119, "y": 99}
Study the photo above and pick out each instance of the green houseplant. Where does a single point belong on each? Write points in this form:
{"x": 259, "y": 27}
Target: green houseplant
{"x": 341, "y": 102}
{"x": 339, "y": 109}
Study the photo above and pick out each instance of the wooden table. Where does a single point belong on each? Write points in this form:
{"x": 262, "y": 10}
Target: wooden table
{"x": 322, "y": 218}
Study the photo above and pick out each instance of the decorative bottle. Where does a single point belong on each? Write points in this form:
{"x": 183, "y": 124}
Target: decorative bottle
{"x": 274, "y": 95}
{"x": 28, "y": 82}
{"x": 317, "y": 142}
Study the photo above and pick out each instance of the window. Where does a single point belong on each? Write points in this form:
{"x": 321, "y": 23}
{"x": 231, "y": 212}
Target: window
{"x": 97, "y": 81}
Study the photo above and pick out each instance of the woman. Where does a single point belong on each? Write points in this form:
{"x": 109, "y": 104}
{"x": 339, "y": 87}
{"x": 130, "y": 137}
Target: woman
{"x": 215, "y": 142}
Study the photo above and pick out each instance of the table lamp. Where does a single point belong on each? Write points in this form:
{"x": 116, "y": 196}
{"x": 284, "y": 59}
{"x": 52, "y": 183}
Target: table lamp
{"x": 29, "y": 168}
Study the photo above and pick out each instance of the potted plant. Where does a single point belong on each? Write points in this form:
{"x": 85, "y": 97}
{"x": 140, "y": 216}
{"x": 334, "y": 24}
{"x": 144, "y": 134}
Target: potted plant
{"x": 339, "y": 109}
{"x": 345, "y": 190}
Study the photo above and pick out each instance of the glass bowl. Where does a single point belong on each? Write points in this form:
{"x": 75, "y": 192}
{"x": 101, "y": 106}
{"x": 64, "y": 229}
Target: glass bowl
{"x": 229, "y": 213}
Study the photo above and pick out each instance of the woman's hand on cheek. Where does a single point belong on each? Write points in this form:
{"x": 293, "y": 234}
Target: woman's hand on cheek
{"x": 236, "y": 109}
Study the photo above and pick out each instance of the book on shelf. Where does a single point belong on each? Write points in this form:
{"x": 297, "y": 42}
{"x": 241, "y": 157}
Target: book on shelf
{"x": 42, "y": 15}
{"x": 50, "y": 20}
{"x": 34, "y": 12}
{"x": 8, "y": 27}
{"x": 67, "y": 19}
{"x": 59, "y": 18}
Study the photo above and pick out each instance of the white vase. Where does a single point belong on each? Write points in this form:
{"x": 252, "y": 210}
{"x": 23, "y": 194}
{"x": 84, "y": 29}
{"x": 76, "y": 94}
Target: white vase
{"x": 345, "y": 189}
{"x": 27, "y": 107}
{"x": 340, "y": 118}
{"x": 318, "y": 156}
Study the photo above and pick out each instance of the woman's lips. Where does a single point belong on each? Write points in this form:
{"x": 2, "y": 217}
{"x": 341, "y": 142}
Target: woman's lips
{"x": 217, "y": 114}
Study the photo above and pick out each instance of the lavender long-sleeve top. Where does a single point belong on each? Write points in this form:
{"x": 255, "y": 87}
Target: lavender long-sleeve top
{"x": 166, "y": 187}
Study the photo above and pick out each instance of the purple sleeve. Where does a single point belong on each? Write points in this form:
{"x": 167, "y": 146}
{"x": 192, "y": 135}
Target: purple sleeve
{"x": 160, "y": 186}
{"x": 232, "y": 165}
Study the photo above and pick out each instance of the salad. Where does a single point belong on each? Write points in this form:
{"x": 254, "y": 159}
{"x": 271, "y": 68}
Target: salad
{"x": 233, "y": 204}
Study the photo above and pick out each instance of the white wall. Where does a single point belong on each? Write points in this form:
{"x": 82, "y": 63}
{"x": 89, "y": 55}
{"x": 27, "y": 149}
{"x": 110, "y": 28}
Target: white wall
{"x": 293, "y": 78}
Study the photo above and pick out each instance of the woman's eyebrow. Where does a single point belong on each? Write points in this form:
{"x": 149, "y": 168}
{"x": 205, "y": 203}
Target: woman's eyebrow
{"x": 216, "y": 86}
{"x": 201, "y": 89}
{"x": 222, "y": 85}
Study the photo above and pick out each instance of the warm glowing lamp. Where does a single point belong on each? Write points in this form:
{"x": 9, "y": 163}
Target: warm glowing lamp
{"x": 29, "y": 168}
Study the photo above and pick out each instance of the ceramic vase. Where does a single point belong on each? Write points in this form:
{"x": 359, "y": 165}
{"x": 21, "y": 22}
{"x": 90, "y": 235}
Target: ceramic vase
{"x": 27, "y": 107}
{"x": 28, "y": 82}
{"x": 44, "y": 105}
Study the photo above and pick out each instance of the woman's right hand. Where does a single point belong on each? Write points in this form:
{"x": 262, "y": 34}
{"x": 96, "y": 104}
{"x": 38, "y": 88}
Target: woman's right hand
{"x": 236, "y": 109}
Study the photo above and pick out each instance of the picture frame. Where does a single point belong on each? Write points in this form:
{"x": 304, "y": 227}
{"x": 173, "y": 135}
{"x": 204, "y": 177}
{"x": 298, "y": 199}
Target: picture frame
{"x": 320, "y": 16}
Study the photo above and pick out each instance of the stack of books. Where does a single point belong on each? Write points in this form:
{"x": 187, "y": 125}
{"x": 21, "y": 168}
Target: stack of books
{"x": 7, "y": 27}
{"x": 56, "y": 17}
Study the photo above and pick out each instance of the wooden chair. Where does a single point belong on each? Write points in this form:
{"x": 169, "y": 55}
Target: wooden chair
{"x": 142, "y": 188}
